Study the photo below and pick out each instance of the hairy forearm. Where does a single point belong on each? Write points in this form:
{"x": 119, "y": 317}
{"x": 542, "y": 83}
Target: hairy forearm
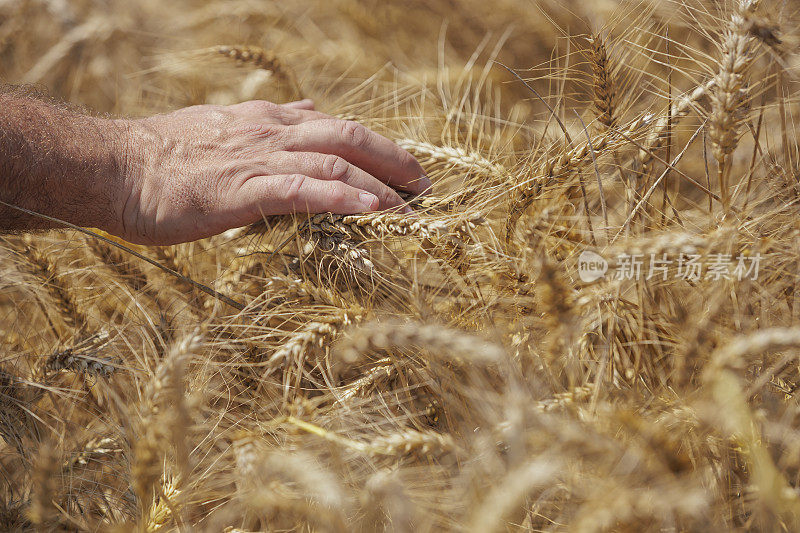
{"x": 192, "y": 173}
{"x": 57, "y": 162}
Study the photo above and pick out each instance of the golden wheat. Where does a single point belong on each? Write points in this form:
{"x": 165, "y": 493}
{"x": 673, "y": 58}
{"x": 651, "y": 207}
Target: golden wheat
{"x": 455, "y": 370}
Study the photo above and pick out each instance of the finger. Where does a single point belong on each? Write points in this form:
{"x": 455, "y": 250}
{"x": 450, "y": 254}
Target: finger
{"x": 306, "y": 104}
{"x": 299, "y": 116}
{"x": 296, "y": 193}
{"x": 334, "y": 168}
{"x": 303, "y": 113}
{"x": 285, "y": 114}
{"x": 362, "y": 147}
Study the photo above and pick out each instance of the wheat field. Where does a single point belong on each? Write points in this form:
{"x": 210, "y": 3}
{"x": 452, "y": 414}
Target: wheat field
{"x": 591, "y": 324}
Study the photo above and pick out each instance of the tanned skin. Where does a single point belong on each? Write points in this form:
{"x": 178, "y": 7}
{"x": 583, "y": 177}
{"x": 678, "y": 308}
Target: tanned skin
{"x": 192, "y": 173}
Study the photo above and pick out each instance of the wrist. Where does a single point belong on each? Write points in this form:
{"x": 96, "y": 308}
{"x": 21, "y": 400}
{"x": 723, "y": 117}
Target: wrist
{"x": 122, "y": 174}
{"x": 92, "y": 181}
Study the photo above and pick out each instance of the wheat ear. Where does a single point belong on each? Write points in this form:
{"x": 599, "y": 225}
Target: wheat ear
{"x": 84, "y": 358}
{"x": 118, "y": 263}
{"x": 93, "y": 450}
{"x": 43, "y": 511}
{"x": 387, "y": 505}
{"x": 380, "y": 225}
{"x": 443, "y": 342}
{"x": 680, "y": 108}
{"x": 163, "y": 421}
{"x": 19, "y": 424}
{"x": 313, "y": 334}
{"x": 559, "y": 167}
{"x": 408, "y": 442}
{"x": 510, "y": 493}
{"x": 472, "y": 162}
{"x": 411, "y": 442}
{"x": 603, "y": 84}
{"x": 722, "y": 378}
{"x": 729, "y": 99}
{"x": 164, "y": 505}
{"x": 259, "y": 469}
{"x": 262, "y": 59}
{"x": 61, "y": 294}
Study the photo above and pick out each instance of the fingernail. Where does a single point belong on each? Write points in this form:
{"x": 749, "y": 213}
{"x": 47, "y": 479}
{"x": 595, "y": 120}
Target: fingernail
{"x": 369, "y": 200}
{"x": 408, "y": 211}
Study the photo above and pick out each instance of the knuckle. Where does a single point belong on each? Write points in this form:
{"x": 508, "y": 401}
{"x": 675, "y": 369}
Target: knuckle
{"x": 263, "y": 130}
{"x": 294, "y": 184}
{"x": 337, "y": 194}
{"x": 354, "y": 133}
{"x": 334, "y": 167}
{"x": 260, "y": 106}
{"x": 388, "y": 197}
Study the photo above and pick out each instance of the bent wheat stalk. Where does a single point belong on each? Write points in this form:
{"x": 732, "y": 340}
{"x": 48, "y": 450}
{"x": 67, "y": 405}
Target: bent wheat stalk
{"x": 560, "y": 167}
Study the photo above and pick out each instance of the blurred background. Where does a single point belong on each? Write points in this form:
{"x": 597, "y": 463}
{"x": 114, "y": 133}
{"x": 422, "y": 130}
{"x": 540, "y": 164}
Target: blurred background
{"x": 128, "y": 57}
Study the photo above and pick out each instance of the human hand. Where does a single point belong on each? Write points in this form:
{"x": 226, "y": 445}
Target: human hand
{"x": 201, "y": 170}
